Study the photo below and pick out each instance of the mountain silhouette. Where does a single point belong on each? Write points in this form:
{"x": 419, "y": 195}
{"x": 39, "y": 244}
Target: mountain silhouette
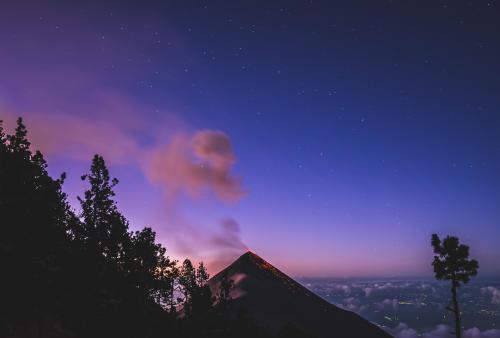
{"x": 274, "y": 300}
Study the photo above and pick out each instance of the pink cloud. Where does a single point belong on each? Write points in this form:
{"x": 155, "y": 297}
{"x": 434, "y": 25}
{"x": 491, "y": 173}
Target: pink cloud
{"x": 79, "y": 138}
{"x": 186, "y": 164}
{"x": 195, "y": 164}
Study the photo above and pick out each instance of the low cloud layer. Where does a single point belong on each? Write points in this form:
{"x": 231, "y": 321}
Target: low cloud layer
{"x": 493, "y": 292}
{"x": 441, "y": 331}
{"x": 411, "y": 308}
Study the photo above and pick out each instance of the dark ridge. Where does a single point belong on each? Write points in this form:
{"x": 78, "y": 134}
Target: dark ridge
{"x": 274, "y": 300}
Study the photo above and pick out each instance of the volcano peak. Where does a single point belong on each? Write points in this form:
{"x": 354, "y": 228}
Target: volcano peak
{"x": 250, "y": 261}
{"x": 274, "y": 299}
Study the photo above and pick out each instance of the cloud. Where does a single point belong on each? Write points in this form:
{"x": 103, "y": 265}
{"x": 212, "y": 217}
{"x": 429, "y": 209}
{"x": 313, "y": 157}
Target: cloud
{"x": 476, "y": 333}
{"x": 229, "y": 237}
{"x": 353, "y": 304}
{"x": 191, "y": 164}
{"x": 80, "y": 138}
{"x": 368, "y": 291}
{"x": 194, "y": 164}
{"x": 377, "y": 288}
{"x": 441, "y": 331}
{"x": 403, "y": 331}
{"x": 228, "y": 243}
{"x": 342, "y": 287}
{"x": 494, "y": 292}
{"x": 390, "y": 303}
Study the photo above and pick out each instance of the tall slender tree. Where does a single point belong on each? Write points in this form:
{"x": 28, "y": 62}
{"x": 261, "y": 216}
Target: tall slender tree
{"x": 174, "y": 288}
{"x": 451, "y": 262}
{"x": 105, "y": 230}
{"x": 187, "y": 279}
{"x": 202, "y": 275}
{"x": 3, "y": 145}
{"x": 224, "y": 295}
{"x": 129, "y": 271}
{"x": 201, "y": 300}
{"x": 18, "y": 142}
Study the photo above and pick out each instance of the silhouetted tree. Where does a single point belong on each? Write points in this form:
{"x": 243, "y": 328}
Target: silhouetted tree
{"x": 33, "y": 242}
{"x": 3, "y": 145}
{"x": 224, "y": 295}
{"x": 105, "y": 230}
{"x": 171, "y": 299}
{"x": 18, "y": 142}
{"x": 202, "y": 275}
{"x": 148, "y": 267}
{"x": 201, "y": 295}
{"x": 452, "y": 262}
{"x": 130, "y": 272}
{"x": 187, "y": 279}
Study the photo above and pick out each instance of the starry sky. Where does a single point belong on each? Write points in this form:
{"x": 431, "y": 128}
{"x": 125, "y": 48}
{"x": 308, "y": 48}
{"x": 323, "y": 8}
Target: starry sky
{"x": 330, "y": 137}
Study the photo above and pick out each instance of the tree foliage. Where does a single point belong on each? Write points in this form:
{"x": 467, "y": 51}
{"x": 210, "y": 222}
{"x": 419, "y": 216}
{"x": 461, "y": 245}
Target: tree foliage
{"x": 451, "y": 262}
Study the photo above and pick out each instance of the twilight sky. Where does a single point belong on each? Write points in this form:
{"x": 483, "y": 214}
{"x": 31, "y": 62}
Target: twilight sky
{"x": 330, "y": 137}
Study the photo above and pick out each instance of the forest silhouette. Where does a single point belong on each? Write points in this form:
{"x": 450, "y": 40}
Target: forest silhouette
{"x": 86, "y": 274}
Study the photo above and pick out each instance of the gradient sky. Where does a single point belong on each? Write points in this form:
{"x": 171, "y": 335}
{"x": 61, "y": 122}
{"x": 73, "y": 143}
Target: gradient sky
{"x": 357, "y": 128}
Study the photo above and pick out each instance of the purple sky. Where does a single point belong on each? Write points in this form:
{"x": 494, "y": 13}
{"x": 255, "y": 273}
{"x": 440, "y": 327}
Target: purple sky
{"x": 332, "y": 140}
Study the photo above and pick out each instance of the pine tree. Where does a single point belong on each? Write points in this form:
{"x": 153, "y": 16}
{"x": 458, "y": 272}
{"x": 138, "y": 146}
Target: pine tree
{"x": 105, "y": 230}
{"x": 173, "y": 299}
{"x": 18, "y": 142}
{"x": 202, "y": 275}
{"x": 148, "y": 268}
{"x": 3, "y": 151}
{"x": 451, "y": 262}
{"x": 224, "y": 296}
{"x": 3, "y": 140}
{"x": 187, "y": 279}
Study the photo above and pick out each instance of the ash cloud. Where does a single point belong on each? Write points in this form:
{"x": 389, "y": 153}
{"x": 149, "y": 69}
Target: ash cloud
{"x": 228, "y": 242}
{"x": 229, "y": 236}
{"x": 195, "y": 164}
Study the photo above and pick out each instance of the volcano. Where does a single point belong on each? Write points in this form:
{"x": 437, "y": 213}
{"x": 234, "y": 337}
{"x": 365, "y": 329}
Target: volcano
{"x": 274, "y": 300}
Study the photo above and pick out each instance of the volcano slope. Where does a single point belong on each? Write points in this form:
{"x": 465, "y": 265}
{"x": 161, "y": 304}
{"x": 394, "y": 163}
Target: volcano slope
{"x": 274, "y": 300}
